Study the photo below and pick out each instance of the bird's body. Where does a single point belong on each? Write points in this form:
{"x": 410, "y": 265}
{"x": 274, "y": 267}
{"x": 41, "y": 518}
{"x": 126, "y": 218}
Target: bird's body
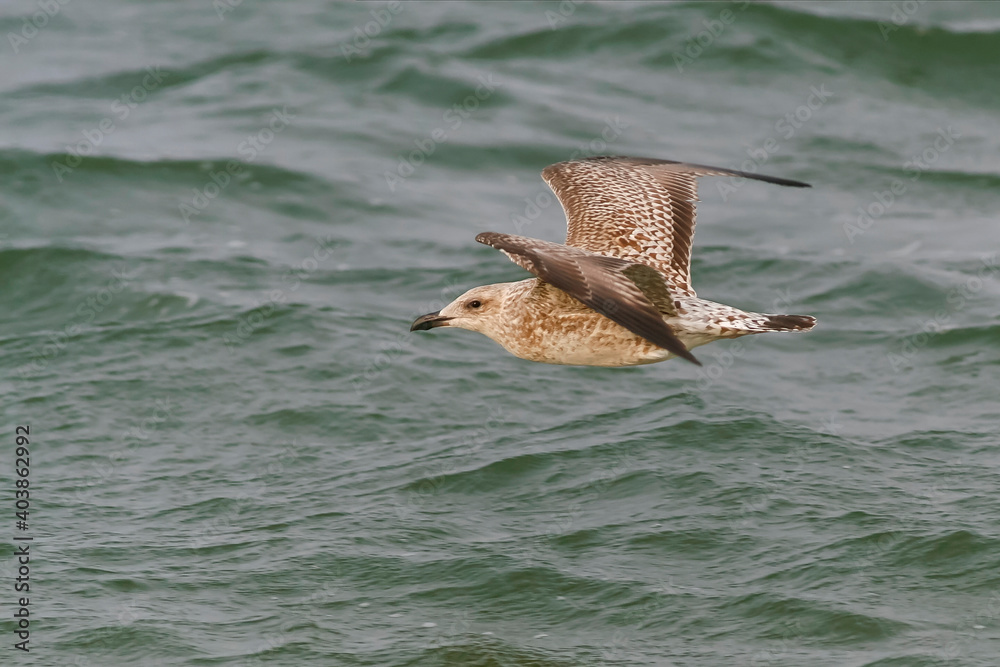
{"x": 618, "y": 293}
{"x": 542, "y": 323}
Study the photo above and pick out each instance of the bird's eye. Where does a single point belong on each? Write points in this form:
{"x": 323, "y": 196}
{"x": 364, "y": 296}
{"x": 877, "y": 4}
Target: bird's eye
{"x": 475, "y": 303}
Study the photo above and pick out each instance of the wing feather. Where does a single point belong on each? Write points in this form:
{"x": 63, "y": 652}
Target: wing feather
{"x": 633, "y": 295}
{"x": 639, "y": 209}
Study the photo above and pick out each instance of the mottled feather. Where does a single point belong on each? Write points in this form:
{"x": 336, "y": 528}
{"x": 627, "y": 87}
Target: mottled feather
{"x": 639, "y": 209}
{"x": 618, "y": 293}
{"x": 631, "y": 294}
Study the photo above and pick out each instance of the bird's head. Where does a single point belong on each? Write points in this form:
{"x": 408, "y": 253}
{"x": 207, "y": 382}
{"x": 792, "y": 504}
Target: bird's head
{"x": 480, "y": 309}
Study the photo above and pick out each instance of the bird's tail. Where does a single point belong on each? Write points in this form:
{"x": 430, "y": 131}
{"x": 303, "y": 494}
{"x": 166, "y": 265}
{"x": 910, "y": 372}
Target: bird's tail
{"x": 786, "y": 323}
{"x": 735, "y": 322}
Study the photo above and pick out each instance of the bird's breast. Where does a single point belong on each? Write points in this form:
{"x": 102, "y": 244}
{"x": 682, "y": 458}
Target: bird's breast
{"x": 579, "y": 339}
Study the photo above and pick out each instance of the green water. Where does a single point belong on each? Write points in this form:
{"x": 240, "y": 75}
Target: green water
{"x": 216, "y": 227}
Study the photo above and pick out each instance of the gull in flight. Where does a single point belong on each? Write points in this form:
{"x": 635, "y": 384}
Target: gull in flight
{"x": 618, "y": 293}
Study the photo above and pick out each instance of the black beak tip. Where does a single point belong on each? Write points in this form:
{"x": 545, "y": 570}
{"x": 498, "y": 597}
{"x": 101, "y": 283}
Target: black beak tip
{"x": 428, "y": 321}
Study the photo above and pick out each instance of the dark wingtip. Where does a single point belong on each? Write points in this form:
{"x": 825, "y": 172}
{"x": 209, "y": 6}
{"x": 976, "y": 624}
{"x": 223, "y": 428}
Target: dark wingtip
{"x": 795, "y": 184}
{"x": 773, "y": 179}
{"x": 690, "y": 357}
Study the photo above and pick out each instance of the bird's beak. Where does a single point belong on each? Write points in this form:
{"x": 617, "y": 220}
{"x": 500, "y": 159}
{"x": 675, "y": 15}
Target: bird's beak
{"x": 429, "y": 321}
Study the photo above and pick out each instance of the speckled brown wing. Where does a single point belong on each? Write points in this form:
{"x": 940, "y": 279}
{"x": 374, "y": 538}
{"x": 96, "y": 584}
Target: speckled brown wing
{"x": 633, "y": 295}
{"x": 639, "y": 209}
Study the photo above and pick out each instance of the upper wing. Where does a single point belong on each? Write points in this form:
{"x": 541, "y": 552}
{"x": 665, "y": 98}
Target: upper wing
{"x": 638, "y": 209}
{"x": 633, "y": 295}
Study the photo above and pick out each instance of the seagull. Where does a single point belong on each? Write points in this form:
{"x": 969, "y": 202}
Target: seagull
{"x": 618, "y": 292}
